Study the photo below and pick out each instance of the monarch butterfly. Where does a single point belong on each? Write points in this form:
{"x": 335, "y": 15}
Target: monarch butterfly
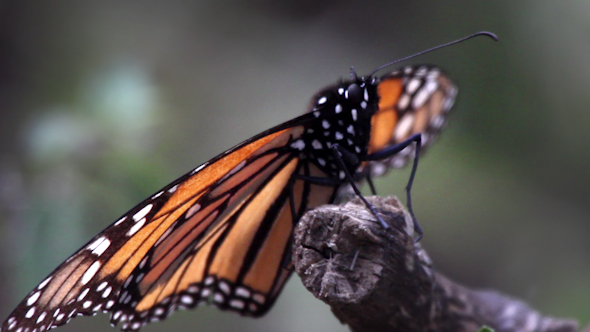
{"x": 221, "y": 233}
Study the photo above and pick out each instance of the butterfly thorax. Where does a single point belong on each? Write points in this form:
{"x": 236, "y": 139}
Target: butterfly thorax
{"x": 344, "y": 112}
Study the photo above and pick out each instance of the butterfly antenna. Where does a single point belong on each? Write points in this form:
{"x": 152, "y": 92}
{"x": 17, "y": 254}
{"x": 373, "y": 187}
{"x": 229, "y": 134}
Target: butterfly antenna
{"x": 481, "y": 33}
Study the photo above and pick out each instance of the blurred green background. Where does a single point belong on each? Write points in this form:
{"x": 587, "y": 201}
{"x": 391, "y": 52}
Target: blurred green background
{"x": 104, "y": 102}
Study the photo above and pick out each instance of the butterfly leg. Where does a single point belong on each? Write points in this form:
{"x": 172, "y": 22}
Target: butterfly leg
{"x": 392, "y": 150}
{"x": 371, "y": 184}
{"x": 340, "y": 154}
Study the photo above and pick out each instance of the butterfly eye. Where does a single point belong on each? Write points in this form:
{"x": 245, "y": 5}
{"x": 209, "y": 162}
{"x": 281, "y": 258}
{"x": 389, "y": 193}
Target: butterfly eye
{"x": 354, "y": 93}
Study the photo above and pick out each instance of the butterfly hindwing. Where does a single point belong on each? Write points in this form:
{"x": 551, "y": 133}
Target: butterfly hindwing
{"x": 412, "y": 100}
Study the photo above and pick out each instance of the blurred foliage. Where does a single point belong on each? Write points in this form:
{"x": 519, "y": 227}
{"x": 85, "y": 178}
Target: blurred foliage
{"x": 103, "y": 103}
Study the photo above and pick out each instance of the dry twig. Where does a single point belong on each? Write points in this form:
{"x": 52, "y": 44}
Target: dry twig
{"x": 381, "y": 280}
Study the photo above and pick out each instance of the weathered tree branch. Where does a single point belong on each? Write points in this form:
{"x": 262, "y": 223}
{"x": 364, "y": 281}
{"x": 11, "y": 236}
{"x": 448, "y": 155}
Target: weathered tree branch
{"x": 381, "y": 280}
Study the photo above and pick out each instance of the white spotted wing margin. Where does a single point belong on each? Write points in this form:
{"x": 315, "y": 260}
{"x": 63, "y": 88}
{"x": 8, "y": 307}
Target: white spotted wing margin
{"x": 80, "y": 286}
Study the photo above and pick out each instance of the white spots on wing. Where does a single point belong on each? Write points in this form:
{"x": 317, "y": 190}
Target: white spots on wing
{"x": 104, "y": 245}
{"x": 322, "y": 100}
{"x": 83, "y": 294}
{"x": 366, "y": 95}
{"x": 338, "y": 135}
{"x": 102, "y": 286}
{"x": 41, "y": 317}
{"x": 193, "y": 289}
{"x": 107, "y": 292}
{"x": 157, "y": 195}
{"x": 186, "y": 299}
{"x": 127, "y": 282}
{"x": 135, "y": 326}
{"x": 209, "y": 281}
{"x": 87, "y": 304}
{"x": 90, "y": 272}
{"x": 96, "y": 243}
{"x": 159, "y": 311}
{"x": 191, "y": 212}
{"x": 243, "y": 292}
{"x": 431, "y": 86}
{"x": 60, "y": 317}
{"x": 350, "y": 129}
{"x": 173, "y": 189}
{"x": 316, "y": 144}
{"x": 408, "y": 70}
{"x": 258, "y": 298}
{"x": 357, "y": 149}
{"x": 109, "y": 304}
{"x": 325, "y": 124}
{"x": 340, "y": 91}
{"x": 99, "y": 246}
{"x": 298, "y": 144}
{"x": 139, "y": 277}
{"x": 33, "y": 298}
{"x": 205, "y": 292}
{"x": 341, "y": 175}
{"x": 143, "y": 212}
{"x": 199, "y": 168}
{"x": 403, "y": 101}
{"x": 321, "y": 161}
{"x": 338, "y": 108}
{"x": 363, "y": 104}
{"x": 420, "y": 98}
{"x": 433, "y": 74}
{"x": 44, "y": 283}
{"x": 138, "y": 225}
{"x": 413, "y": 85}
{"x": 224, "y": 287}
{"x": 349, "y": 141}
{"x": 421, "y": 71}
{"x": 316, "y": 114}
{"x": 354, "y": 114}
{"x": 310, "y": 131}
{"x": 30, "y": 313}
{"x": 117, "y": 314}
{"x": 120, "y": 221}
{"x": 237, "y": 304}
{"x": 218, "y": 298}
{"x": 404, "y": 127}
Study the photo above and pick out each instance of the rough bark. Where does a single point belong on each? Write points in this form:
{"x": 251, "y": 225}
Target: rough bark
{"x": 378, "y": 279}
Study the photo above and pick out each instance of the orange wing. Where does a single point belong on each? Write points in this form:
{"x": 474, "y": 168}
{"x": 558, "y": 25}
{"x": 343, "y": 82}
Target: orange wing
{"x": 219, "y": 233}
{"x": 412, "y": 100}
